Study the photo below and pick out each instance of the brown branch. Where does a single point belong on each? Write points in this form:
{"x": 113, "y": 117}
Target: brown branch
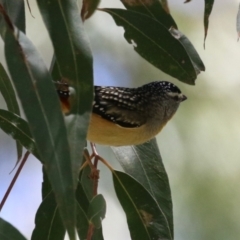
{"x": 90, "y": 231}
{"x": 25, "y": 157}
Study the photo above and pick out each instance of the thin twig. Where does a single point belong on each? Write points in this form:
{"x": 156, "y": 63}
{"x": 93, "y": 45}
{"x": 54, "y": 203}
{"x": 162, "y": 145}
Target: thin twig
{"x": 25, "y": 157}
{"x": 90, "y": 231}
{"x": 106, "y": 163}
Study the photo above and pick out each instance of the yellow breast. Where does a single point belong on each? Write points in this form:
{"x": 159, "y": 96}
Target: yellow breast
{"x": 104, "y": 132}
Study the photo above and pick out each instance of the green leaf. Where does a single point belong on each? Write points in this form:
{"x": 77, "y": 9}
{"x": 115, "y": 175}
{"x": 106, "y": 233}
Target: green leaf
{"x": 8, "y": 232}
{"x": 82, "y": 223}
{"x": 7, "y": 91}
{"x": 74, "y": 64}
{"x": 16, "y": 12}
{"x": 18, "y": 128}
{"x": 97, "y": 210}
{"x": 192, "y": 53}
{"x": 88, "y": 8}
{"x": 155, "y": 43}
{"x": 159, "y": 11}
{"x": 82, "y": 207}
{"x": 207, "y": 11}
{"x": 238, "y": 22}
{"x": 84, "y": 195}
{"x": 34, "y": 85}
{"x": 48, "y": 221}
{"x": 9, "y": 96}
{"x": 145, "y": 219}
{"x": 87, "y": 182}
{"x": 144, "y": 163}
{"x": 152, "y": 8}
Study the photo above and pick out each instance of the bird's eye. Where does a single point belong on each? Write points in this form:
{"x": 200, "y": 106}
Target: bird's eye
{"x": 173, "y": 95}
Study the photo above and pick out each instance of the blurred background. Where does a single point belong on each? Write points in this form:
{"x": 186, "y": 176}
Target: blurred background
{"x": 199, "y": 146}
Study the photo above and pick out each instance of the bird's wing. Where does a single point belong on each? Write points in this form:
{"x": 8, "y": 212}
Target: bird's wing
{"x": 122, "y": 106}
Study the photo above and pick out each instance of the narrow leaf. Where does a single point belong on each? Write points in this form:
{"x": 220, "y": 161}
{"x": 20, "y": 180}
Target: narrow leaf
{"x": 82, "y": 223}
{"x": 8, "y": 232}
{"x": 88, "y": 8}
{"x": 97, "y": 210}
{"x": 192, "y": 53}
{"x": 84, "y": 195}
{"x": 145, "y": 219}
{"x": 74, "y": 64}
{"x": 34, "y": 85}
{"x": 165, "y": 6}
{"x": 48, "y": 221}
{"x": 7, "y": 91}
{"x": 18, "y": 128}
{"x": 144, "y": 163}
{"x": 82, "y": 207}
{"x": 9, "y": 96}
{"x": 87, "y": 182}
{"x": 207, "y": 12}
{"x": 238, "y": 22}
{"x": 155, "y": 43}
{"x": 16, "y": 12}
{"x": 155, "y": 9}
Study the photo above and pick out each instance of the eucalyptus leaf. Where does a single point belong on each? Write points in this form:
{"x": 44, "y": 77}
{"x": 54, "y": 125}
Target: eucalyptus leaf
{"x": 9, "y": 232}
{"x": 238, "y": 22}
{"x": 153, "y": 41}
{"x": 18, "y": 128}
{"x": 88, "y": 8}
{"x": 144, "y": 163}
{"x": 97, "y": 210}
{"x": 153, "y": 8}
{"x": 145, "y": 220}
{"x": 207, "y": 11}
{"x": 16, "y": 12}
{"x": 83, "y": 221}
{"x": 82, "y": 207}
{"x": 48, "y": 223}
{"x": 34, "y": 85}
{"x": 8, "y": 93}
{"x": 74, "y": 64}
{"x": 194, "y": 56}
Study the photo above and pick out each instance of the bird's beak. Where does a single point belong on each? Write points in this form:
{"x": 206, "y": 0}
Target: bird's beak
{"x": 182, "y": 97}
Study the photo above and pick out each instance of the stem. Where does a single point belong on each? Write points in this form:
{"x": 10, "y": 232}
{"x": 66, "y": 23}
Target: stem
{"x": 90, "y": 231}
{"x": 25, "y": 157}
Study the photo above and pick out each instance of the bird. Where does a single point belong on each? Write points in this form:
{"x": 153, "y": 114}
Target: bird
{"x": 128, "y": 116}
